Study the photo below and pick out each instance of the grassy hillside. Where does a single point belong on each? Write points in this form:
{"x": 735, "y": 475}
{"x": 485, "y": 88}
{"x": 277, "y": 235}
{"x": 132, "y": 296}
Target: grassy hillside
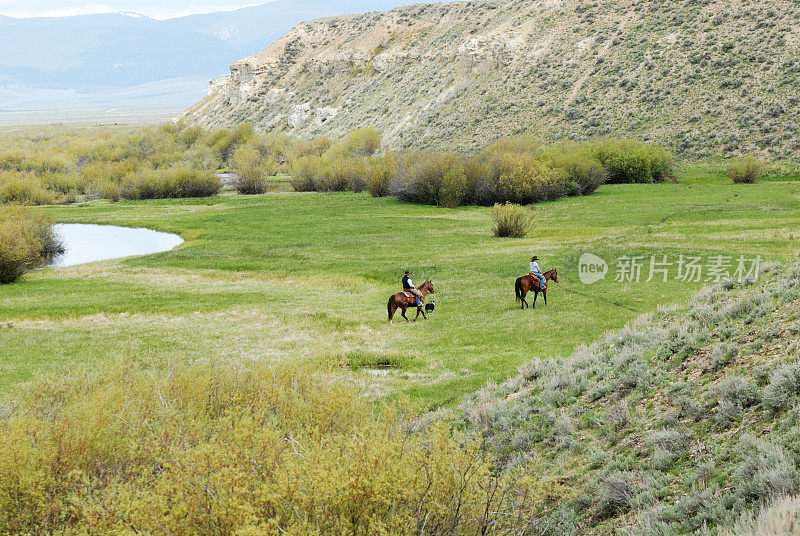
{"x": 291, "y": 276}
{"x": 675, "y": 424}
{"x": 701, "y": 77}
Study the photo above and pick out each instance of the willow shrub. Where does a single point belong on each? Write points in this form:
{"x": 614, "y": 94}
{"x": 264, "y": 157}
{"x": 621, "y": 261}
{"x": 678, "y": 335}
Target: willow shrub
{"x": 524, "y": 179}
{"x": 37, "y": 161}
{"x": 378, "y": 173}
{"x": 360, "y": 142}
{"x": 745, "y": 170}
{"x": 631, "y": 161}
{"x": 189, "y": 449}
{"x": 330, "y": 174}
{"x": 521, "y": 144}
{"x": 446, "y": 179}
{"x": 173, "y": 182}
{"x": 581, "y": 172}
{"x": 24, "y": 189}
{"x": 26, "y": 241}
{"x": 224, "y": 141}
{"x": 511, "y": 220}
{"x": 252, "y": 169}
{"x": 303, "y": 170}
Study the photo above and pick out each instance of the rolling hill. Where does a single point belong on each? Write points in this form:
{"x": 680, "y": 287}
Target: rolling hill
{"x": 703, "y": 77}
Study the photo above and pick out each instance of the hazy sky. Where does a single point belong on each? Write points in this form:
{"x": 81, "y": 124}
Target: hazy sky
{"x": 157, "y": 9}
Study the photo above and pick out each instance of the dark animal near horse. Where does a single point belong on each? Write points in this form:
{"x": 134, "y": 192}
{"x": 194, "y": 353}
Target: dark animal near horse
{"x": 528, "y": 283}
{"x": 404, "y": 302}
{"x": 430, "y": 306}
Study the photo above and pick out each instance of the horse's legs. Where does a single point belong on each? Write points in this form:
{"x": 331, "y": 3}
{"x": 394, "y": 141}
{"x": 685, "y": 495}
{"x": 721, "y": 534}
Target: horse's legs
{"x": 403, "y": 312}
{"x": 535, "y": 295}
{"x": 544, "y": 293}
{"x": 418, "y": 310}
{"x": 522, "y": 300}
{"x": 422, "y": 310}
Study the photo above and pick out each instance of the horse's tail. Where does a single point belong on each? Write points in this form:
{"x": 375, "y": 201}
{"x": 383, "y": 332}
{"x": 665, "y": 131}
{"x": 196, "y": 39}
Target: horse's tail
{"x": 389, "y": 306}
{"x": 518, "y": 288}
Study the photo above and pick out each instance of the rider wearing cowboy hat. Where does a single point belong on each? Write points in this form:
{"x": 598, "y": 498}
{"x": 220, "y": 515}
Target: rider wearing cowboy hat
{"x": 409, "y": 286}
{"x": 536, "y": 271}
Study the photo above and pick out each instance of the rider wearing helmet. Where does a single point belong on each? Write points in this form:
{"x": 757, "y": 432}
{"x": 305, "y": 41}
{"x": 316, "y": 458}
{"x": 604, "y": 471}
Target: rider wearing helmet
{"x": 409, "y": 286}
{"x": 536, "y": 272}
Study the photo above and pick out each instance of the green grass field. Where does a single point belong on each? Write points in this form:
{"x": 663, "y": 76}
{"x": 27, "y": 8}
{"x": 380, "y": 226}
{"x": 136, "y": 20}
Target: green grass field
{"x": 286, "y": 276}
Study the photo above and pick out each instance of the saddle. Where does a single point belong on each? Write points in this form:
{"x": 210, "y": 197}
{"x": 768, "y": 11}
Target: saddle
{"x": 411, "y": 296}
{"x": 536, "y": 280}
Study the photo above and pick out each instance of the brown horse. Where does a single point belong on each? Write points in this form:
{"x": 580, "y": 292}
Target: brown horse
{"x": 530, "y": 283}
{"x": 403, "y": 302}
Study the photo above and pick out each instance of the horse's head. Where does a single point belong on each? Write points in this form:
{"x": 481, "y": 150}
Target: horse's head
{"x": 429, "y": 284}
{"x": 555, "y": 275}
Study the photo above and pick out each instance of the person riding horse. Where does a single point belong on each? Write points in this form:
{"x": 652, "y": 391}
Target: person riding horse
{"x": 408, "y": 286}
{"x": 536, "y": 271}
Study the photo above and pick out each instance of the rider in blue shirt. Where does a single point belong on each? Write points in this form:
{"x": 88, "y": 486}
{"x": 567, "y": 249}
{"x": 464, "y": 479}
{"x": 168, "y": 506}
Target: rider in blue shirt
{"x": 536, "y": 271}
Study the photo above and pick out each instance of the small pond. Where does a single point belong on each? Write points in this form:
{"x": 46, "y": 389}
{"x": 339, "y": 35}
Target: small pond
{"x": 89, "y": 243}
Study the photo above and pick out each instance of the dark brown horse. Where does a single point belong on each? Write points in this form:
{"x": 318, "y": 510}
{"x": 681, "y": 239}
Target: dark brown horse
{"x": 528, "y": 283}
{"x": 404, "y": 302}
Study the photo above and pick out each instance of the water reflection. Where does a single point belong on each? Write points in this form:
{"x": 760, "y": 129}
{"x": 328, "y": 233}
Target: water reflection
{"x": 88, "y": 243}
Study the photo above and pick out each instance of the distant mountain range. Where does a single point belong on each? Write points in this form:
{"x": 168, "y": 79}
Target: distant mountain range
{"x": 89, "y": 53}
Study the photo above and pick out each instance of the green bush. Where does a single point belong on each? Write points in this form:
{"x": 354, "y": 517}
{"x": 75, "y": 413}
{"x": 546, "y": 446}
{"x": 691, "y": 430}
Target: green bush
{"x": 304, "y": 171}
{"x": 23, "y": 189}
{"x": 224, "y": 142}
{"x": 37, "y": 161}
{"x": 26, "y": 241}
{"x": 581, "y": 172}
{"x": 511, "y": 220}
{"x": 422, "y": 177}
{"x": 514, "y": 144}
{"x": 190, "y": 135}
{"x": 524, "y": 179}
{"x": 360, "y": 142}
{"x": 338, "y": 175}
{"x": 108, "y": 190}
{"x": 200, "y": 157}
{"x": 325, "y": 174}
{"x": 378, "y": 172}
{"x": 244, "y": 449}
{"x": 251, "y": 169}
{"x": 631, "y": 161}
{"x": 308, "y": 147}
{"x": 454, "y": 188}
{"x": 62, "y": 183}
{"x": 745, "y": 170}
{"x": 278, "y": 146}
{"x": 174, "y": 182}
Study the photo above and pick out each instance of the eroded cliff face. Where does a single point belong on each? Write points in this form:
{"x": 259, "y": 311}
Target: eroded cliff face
{"x": 702, "y": 77}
